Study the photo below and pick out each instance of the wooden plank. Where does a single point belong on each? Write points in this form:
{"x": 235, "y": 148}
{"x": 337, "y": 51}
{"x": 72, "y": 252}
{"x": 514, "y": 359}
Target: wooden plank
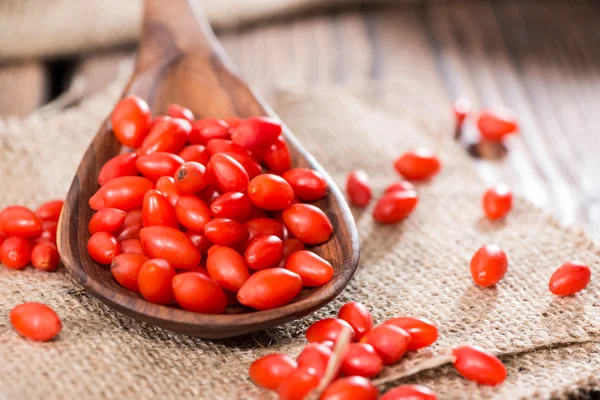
{"x": 24, "y": 88}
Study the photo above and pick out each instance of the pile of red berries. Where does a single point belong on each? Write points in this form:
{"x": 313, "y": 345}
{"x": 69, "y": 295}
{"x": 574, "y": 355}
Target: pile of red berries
{"x": 187, "y": 215}
{"x": 372, "y": 348}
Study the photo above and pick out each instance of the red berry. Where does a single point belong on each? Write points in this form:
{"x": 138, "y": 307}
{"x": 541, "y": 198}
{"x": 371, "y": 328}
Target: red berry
{"x": 358, "y": 188}
{"x": 170, "y": 244}
{"x": 362, "y": 360}
{"x": 195, "y": 152}
{"x": 400, "y": 187}
{"x": 103, "y": 247}
{"x": 314, "y": 270}
{"x": 192, "y": 213}
{"x": 270, "y": 192}
{"x": 327, "y": 329}
{"x": 351, "y": 388}
{"x": 35, "y": 321}
{"x": 479, "y": 365}
{"x": 50, "y": 210}
{"x": 131, "y": 246}
{"x": 278, "y": 158}
{"x": 422, "y": 332}
{"x": 228, "y": 174}
{"x": 315, "y": 356}
{"x": 225, "y": 232}
{"x": 495, "y": 125}
{"x": 204, "y": 130}
{"x": 308, "y": 184}
{"x": 252, "y": 168}
{"x": 20, "y": 221}
{"x": 158, "y": 164}
{"x": 15, "y": 252}
{"x": 45, "y": 257}
{"x": 108, "y": 220}
{"x": 395, "y": 206}
{"x": 488, "y": 265}
{"x": 155, "y": 281}
{"x": 462, "y": 106}
{"x": 497, "y": 202}
{"x": 389, "y": 341}
{"x": 256, "y": 132}
{"x": 191, "y": 178}
{"x": 270, "y": 288}
{"x": 156, "y": 210}
{"x": 132, "y": 225}
{"x": 570, "y": 278}
{"x": 177, "y": 111}
{"x": 121, "y": 165}
{"x": 269, "y": 371}
{"x": 263, "y": 227}
{"x": 232, "y": 205}
{"x": 418, "y": 164}
{"x": 131, "y": 121}
{"x": 49, "y": 231}
{"x": 297, "y": 385}
{"x": 168, "y": 135}
{"x": 197, "y": 292}
{"x": 227, "y": 267}
{"x": 358, "y": 316}
{"x": 124, "y": 193}
{"x": 410, "y": 392}
{"x": 126, "y": 267}
{"x": 166, "y": 186}
{"x": 264, "y": 252}
{"x": 307, "y": 223}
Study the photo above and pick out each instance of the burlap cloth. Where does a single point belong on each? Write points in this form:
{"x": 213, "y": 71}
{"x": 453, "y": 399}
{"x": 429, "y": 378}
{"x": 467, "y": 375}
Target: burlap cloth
{"x": 50, "y": 28}
{"x": 419, "y": 267}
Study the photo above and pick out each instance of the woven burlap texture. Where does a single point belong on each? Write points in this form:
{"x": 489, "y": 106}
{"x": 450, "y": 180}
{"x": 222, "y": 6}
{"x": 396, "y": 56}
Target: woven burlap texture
{"x": 418, "y": 267}
{"x": 50, "y": 28}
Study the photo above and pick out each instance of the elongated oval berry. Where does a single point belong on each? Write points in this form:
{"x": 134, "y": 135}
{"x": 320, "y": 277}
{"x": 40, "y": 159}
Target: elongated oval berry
{"x": 270, "y": 192}
{"x": 206, "y": 129}
{"x": 461, "y": 108}
{"x": 103, "y": 247}
{"x": 358, "y": 316}
{"x": 315, "y": 356}
{"x": 410, "y": 392}
{"x": 192, "y": 213}
{"x": 132, "y": 225}
{"x": 177, "y": 111}
{"x": 361, "y": 360}
{"x": 225, "y": 146}
{"x": 195, "y": 152}
{"x": 166, "y": 186}
{"x": 158, "y": 164}
{"x": 45, "y": 257}
{"x": 314, "y": 270}
{"x": 170, "y": 244}
{"x": 495, "y": 125}
{"x": 359, "y": 188}
{"x": 290, "y": 246}
{"x": 49, "y": 229}
{"x": 125, "y": 193}
{"x": 269, "y": 371}
{"x": 497, "y": 202}
{"x": 270, "y": 288}
{"x": 191, "y": 177}
{"x": 228, "y": 174}
{"x": 155, "y": 279}
{"x": 308, "y": 184}
{"x": 156, "y": 210}
{"x": 15, "y": 252}
{"x": 278, "y": 158}
{"x": 264, "y": 252}
{"x": 400, "y": 187}
{"x": 50, "y": 210}
{"x": 130, "y": 121}
{"x": 488, "y": 265}
{"x": 227, "y": 267}
{"x": 225, "y": 232}
{"x": 232, "y": 205}
{"x": 351, "y": 388}
{"x": 256, "y": 132}
{"x": 109, "y": 220}
{"x": 479, "y": 365}
{"x": 250, "y": 165}
{"x": 422, "y": 332}
{"x": 389, "y": 341}
{"x": 327, "y": 329}
{"x": 418, "y": 164}
{"x": 297, "y": 385}
{"x": 168, "y": 135}
{"x": 200, "y": 241}
{"x": 307, "y": 223}
{"x": 121, "y": 165}
{"x": 199, "y": 293}
{"x": 570, "y": 278}
{"x": 20, "y": 221}
{"x": 126, "y": 267}
{"x": 35, "y": 321}
{"x": 393, "y": 207}
{"x": 263, "y": 227}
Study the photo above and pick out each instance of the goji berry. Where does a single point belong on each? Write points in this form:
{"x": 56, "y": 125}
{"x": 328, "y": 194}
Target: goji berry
{"x": 109, "y": 220}
{"x": 422, "y": 332}
{"x": 126, "y": 267}
{"x": 199, "y": 293}
{"x": 227, "y": 267}
{"x": 314, "y": 270}
{"x": 308, "y": 184}
{"x": 358, "y": 188}
{"x": 497, "y": 202}
{"x": 156, "y": 210}
{"x": 495, "y": 125}
{"x": 488, "y": 265}
{"x": 232, "y": 205}
{"x": 351, "y": 388}
{"x": 570, "y": 278}
{"x": 389, "y": 341}
{"x": 155, "y": 281}
{"x": 315, "y": 356}
{"x": 256, "y": 132}
{"x": 264, "y": 252}
{"x": 35, "y": 321}
{"x": 45, "y": 257}
{"x": 418, "y": 164}
{"x": 168, "y": 135}
{"x": 158, "y": 164}
{"x": 191, "y": 178}
{"x": 192, "y": 213}
{"x": 177, "y": 111}
{"x": 393, "y": 207}
{"x": 361, "y": 360}
{"x": 130, "y": 121}
{"x": 15, "y": 252}
{"x": 270, "y": 288}
{"x": 307, "y": 223}
{"x": 269, "y": 371}
{"x": 171, "y": 245}
{"x": 50, "y": 210}
{"x": 20, "y": 221}
{"x": 103, "y": 247}
{"x": 358, "y": 316}
{"x": 195, "y": 152}
{"x": 132, "y": 225}
{"x": 270, "y": 192}
{"x": 204, "y": 130}
{"x": 228, "y": 174}
{"x": 125, "y": 193}
{"x": 297, "y": 385}
{"x": 479, "y": 365}
{"x": 328, "y": 329}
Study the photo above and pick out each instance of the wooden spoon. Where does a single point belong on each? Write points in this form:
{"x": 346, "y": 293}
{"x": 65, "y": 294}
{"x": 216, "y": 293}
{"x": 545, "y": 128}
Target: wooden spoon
{"x": 180, "y": 61}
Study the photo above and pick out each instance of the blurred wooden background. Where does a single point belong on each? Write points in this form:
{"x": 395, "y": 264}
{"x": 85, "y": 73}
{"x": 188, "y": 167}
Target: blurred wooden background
{"x": 539, "y": 57}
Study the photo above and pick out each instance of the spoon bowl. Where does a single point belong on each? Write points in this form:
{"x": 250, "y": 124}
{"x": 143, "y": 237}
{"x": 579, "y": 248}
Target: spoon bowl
{"x": 180, "y": 61}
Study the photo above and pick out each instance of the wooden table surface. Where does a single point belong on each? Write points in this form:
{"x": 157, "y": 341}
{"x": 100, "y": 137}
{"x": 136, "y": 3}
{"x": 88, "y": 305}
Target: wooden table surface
{"x": 539, "y": 57}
